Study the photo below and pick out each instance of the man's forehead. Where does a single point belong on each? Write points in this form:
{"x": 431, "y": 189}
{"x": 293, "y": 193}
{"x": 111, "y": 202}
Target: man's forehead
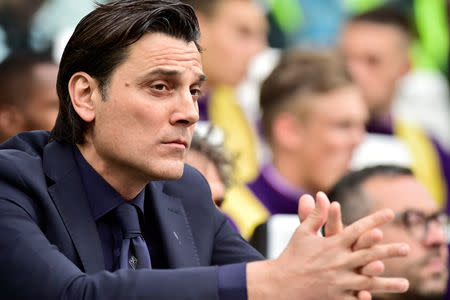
{"x": 373, "y": 31}
{"x": 162, "y": 47}
{"x": 400, "y": 193}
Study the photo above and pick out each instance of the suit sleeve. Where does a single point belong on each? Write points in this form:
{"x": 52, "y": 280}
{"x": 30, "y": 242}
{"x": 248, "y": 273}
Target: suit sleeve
{"x": 32, "y": 268}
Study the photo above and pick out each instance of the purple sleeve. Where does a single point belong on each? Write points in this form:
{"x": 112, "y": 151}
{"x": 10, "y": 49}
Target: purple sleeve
{"x": 444, "y": 157}
{"x": 232, "y": 282}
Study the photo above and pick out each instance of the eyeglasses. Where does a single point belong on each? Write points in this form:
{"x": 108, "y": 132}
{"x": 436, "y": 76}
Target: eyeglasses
{"x": 418, "y": 224}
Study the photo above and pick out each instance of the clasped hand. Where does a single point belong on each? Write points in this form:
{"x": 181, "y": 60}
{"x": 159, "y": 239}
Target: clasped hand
{"x": 345, "y": 264}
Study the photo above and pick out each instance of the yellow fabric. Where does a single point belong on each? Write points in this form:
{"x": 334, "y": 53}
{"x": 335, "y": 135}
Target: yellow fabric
{"x": 244, "y": 209}
{"x": 240, "y": 139}
{"x": 426, "y": 163}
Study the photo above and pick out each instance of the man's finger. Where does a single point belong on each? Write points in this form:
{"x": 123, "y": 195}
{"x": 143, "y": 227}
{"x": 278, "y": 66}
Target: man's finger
{"x": 368, "y": 239}
{"x": 354, "y": 231}
{"x": 318, "y": 216}
{"x": 363, "y": 257}
{"x": 364, "y": 295}
{"x": 306, "y": 205}
{"x": 374, "y": 268}
{"x": 384, "y": 284}
{"x": 334, "y": 224}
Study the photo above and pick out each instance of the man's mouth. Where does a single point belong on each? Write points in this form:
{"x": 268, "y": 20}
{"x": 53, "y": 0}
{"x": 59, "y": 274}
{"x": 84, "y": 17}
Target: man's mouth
{"x": 178, "y": 142}
{"x": 435, "y": 265}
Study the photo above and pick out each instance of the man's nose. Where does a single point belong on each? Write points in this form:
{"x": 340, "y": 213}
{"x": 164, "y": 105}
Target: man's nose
{"x": 186, "y": 111}
{"x": 435, "y": 235}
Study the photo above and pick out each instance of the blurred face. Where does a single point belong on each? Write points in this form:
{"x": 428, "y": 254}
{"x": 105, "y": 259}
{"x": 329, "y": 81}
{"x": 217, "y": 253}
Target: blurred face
{"x": 143, "y": 129}
{"x": 230, "y": 38}
{"x": 210, "y": 172}
{"x": 335, "y": 125}
{"x": 377, "y": 57}
{"x": 41, "y": 110}
{"x": 426, "y": 265}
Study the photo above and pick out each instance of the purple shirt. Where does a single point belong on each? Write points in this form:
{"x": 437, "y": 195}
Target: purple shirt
{"x": 385, "y": 126}
{"x": 203, "y": 107}
{"x": 275, "y": 193}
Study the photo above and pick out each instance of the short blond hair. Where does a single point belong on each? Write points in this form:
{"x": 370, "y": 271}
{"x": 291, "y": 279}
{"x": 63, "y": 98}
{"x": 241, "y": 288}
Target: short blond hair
{"x": 300, "y": 74}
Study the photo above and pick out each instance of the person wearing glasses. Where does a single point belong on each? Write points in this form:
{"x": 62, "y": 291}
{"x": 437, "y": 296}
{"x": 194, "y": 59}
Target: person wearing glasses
{"x": 418, "y": 222}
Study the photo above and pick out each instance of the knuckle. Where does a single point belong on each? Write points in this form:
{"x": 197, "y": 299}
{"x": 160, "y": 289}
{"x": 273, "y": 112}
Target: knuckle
{"x": 369, "y": 283}
{"x": 369, "y": 255}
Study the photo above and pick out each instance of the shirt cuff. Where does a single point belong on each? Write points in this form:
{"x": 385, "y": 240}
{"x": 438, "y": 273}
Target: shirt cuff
{"x": 232, "y": 281}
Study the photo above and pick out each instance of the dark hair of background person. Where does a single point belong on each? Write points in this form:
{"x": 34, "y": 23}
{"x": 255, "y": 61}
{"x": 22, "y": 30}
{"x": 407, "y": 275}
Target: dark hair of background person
{"x": 389, "y": 15}
{"x": 17, "y": 77}
{"x": 349, "y": 191}
{"x": 16, "y": 18}
{"x": 217, "y": 154}
{"x": 101, "y": 42}
{"x": 299, "y": 75}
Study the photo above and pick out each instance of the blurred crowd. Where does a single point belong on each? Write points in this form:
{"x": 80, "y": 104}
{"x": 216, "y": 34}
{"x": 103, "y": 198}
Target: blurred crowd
{"x": 349, "y": 97}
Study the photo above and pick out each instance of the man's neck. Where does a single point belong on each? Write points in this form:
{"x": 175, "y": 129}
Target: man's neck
{"x": 289, "y": 172}
{"x": 127, "y": 185}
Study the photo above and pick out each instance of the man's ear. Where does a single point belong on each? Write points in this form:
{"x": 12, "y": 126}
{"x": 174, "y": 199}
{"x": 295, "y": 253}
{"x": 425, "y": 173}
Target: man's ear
{"x": 286, "y": 131}
{"x": 83, "y": 90}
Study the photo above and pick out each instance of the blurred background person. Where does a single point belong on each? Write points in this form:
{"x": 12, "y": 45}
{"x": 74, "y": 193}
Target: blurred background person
{"x": 419, "y": 222}
{"x": 232, "y": 32}
{"x": 376, "y": 45}
{"x": 213, "y": 161}
{"x": 28, "y": 99}
{"x": 16, "y": 17}
{"x": 208, "y": 156}
{"x": 41, "y": 26}
{"x": 408, "y": 85}
{"x": 313, "y": 117}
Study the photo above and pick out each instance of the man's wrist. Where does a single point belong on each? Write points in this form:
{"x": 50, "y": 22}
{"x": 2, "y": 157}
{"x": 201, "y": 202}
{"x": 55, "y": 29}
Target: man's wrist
{"x": 261, "y": 280}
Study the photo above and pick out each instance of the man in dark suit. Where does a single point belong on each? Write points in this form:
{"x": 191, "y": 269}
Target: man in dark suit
{"x": 128, "y": 85}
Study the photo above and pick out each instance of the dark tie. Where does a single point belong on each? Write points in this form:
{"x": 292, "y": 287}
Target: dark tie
{"x": 134, "y": 253}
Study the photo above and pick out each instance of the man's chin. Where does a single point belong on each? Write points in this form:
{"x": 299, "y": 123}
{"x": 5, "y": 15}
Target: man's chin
{"x": 430, "y": 290}
{"x": 172, "y": 171}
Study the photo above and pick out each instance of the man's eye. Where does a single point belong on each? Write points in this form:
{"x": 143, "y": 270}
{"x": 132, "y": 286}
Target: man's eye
{"x": 196, "y": 92}
{"x": 415, "y": 219}
{"x": 159, "y": 87}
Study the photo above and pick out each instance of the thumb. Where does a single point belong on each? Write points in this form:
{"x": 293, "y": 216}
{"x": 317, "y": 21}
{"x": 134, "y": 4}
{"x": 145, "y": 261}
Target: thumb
{"x": 306, "y": 205}
{"x": 318, "y": 216}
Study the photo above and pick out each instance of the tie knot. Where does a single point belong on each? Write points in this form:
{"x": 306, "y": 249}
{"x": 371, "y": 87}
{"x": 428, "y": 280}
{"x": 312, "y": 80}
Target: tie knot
{"x": 128, "y": 219}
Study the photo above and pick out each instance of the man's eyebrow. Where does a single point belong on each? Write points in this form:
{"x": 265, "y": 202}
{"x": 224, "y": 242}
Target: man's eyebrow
{"x": 202, "y": 78}
{"x": 171, "y": 73}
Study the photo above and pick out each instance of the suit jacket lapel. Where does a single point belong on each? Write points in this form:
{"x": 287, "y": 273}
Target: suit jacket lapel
{"x": 69, "y": 196}
{"x": 175, "y": 230}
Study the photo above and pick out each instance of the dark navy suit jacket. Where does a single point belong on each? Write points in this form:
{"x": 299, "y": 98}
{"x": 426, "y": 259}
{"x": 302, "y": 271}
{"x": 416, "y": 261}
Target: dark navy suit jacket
{"x": 50, "y": 248}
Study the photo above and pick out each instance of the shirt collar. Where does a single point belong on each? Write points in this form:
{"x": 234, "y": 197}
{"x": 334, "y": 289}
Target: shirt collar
{"x": 102, "y": 197}
{"x": 278, "y": 182}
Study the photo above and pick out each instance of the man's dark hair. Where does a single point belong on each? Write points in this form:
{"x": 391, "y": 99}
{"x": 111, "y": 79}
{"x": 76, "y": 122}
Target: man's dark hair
{"x": 298, "y": 75}
{"x": 17, "y": 78}
{"x": 349, "y": 192}
{"x": 388, "y": 15}
{"x": 101, "y": 43}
